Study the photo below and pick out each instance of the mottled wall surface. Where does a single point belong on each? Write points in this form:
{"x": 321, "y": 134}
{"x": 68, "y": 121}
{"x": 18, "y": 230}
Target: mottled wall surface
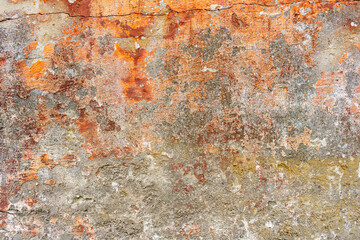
{"x": 179, "y": 119}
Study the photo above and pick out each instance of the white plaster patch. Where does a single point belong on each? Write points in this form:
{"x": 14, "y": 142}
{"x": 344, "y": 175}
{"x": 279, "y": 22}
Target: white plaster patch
{"x": 300, "y": 26}
{"x": 304, "y": 11}
{"x": 169, "y": 155}
{"x": 20, "y": 206}
{"x": 115, "y": 185}
{"x": 269, "y": 224}
{"x": 206, "y": 69}
{"x": 146, "y": 145}
{"x": 275, "y": 14}
{"x": 215, "y": 7}
{"x": 137, "y": 46}
{"x": 249, "y": 235}
{"x": 318, "y": 142}
{"x": 308, "y": 40}
{"x": 337, "y": 171}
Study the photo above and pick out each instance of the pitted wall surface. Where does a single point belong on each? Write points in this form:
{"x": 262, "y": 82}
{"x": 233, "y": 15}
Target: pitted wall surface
{"x": 207, "y": 119}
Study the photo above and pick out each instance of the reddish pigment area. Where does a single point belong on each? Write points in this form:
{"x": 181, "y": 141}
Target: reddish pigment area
{"x": 79, "y": 8}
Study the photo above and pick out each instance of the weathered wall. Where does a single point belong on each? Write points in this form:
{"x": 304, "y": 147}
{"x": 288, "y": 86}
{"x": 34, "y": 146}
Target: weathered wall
{"x": 148, "y": 119}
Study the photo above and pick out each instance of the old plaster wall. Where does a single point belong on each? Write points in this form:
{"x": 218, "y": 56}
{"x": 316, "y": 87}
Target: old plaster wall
{"x": 192, "y": 119}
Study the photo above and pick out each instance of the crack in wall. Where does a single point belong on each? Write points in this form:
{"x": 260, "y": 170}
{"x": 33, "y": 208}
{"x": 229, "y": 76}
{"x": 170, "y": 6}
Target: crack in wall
{"x": 218, "y": 8}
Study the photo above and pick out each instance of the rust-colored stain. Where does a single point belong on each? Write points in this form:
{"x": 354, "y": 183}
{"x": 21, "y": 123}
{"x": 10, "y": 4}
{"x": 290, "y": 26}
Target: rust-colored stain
{"x": 206, "y": 119}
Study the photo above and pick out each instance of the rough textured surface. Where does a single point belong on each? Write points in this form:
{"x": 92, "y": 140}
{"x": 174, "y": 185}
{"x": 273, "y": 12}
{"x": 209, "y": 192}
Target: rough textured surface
{"x": 194, "y": 119}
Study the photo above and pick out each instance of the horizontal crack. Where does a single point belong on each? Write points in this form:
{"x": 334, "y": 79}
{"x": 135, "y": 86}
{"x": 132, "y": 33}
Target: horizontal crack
{"x": 217, "y": 8}
{"x": 10, "y": 212}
